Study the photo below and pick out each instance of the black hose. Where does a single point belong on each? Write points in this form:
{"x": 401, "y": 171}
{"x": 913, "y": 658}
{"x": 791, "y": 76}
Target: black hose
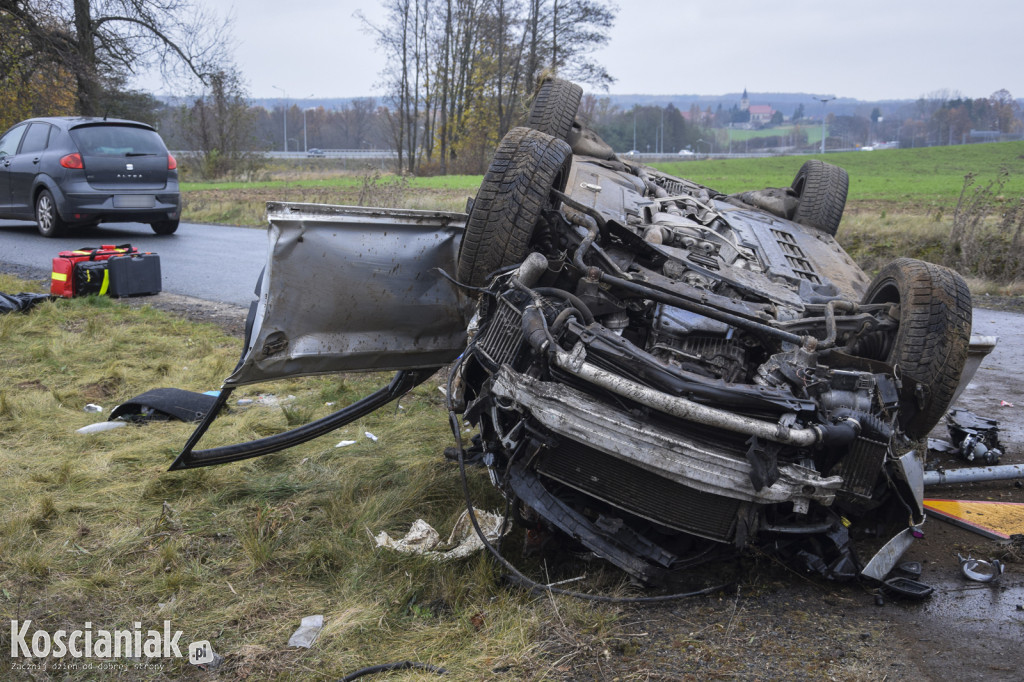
{"x": 573, "y": 300}
{"x": 700, "y": 309}
{"x": 388, "y": 667}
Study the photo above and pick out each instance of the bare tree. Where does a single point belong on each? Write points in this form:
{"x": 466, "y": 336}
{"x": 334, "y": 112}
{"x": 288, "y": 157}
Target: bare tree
{"x": 98, "y": 39}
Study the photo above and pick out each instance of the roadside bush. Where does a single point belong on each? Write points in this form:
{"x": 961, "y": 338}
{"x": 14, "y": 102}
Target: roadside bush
{"x": 987, "y": 235}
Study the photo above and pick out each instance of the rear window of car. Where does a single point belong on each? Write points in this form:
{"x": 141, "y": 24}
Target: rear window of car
{"x": 113, "y": 140}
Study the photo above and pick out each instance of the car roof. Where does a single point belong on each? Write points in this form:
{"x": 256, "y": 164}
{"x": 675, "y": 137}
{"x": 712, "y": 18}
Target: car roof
{"x": 70, "y": 122}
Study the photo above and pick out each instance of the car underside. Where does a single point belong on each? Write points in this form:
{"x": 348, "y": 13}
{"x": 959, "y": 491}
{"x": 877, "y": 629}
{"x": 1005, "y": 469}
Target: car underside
{"x": 657, "y": 370}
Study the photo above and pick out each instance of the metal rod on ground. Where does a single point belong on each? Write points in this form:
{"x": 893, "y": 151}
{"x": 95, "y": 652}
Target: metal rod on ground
{"x": 974, "y": 474}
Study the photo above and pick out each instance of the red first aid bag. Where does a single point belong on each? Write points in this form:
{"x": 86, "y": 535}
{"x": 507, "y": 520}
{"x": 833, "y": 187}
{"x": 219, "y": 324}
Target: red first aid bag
{"x": 91, "y": 278}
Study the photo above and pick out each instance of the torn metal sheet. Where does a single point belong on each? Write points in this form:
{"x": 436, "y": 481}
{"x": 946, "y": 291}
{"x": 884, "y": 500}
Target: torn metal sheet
{"x": 995, "y": 520}
{"x": 349, "y": 288}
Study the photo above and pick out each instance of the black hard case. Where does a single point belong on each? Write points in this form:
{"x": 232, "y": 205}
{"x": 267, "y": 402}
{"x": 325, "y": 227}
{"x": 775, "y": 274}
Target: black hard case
{"x": 135, "y": 275}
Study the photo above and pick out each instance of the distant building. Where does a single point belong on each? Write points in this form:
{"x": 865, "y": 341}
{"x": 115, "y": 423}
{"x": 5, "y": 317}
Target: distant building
{"x": 761, "y": 114}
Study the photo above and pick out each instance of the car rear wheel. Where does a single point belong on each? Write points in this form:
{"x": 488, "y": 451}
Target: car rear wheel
{"x": 931, "y": 343}
{"x": 821, "y": 189}
{"x": 48, "y": 219}
{"x": 165, "y": 226}
{"x": 554, "y": 108}
{"x": 527, "y": 165}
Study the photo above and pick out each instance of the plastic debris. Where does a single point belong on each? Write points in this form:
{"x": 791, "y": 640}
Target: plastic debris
{"x": 244, "y": 402}
{"x": 1003, "y": 403}
{"x": 307, "y": 633}
{"x": 100, "y": 427}
{"x": 93, "y": 407}
{"x": 979, "y": 570}
{"x": 345, "y": 443}
{"x": 976, "y": 438}
{"x": 370, "y": 436}
{"x": 423, "y": 539}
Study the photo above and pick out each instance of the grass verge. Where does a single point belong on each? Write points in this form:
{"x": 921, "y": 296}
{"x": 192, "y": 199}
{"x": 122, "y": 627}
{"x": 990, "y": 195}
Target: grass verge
{"x": 93, "y": 528}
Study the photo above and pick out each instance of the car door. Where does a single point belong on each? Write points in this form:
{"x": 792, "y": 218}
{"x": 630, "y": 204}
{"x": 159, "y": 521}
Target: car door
{"x": 347, "y": 289}
{"x": 8, "y": 149}
{"x": 25, "y": 166}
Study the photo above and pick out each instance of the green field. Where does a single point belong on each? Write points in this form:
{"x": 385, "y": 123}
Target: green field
{"x": 812, "y": 131}
{"x": 349, "y": 181}
{"x": 913, "y": 178}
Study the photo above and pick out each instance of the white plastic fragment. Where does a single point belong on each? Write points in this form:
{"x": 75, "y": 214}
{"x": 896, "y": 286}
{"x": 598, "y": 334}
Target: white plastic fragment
{"x": 93, "y": 407}
{"x": 345, "y": 443}
{"x": 370, "y": 436}
{"x": 308, "y": 631}
{"x": 243, "y": 402}
{"x": 100, "y": 427}
{"x": 463, "y": 541}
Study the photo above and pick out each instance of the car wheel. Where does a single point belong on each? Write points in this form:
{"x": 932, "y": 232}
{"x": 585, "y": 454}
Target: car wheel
{"x": 527, "y": 165}
{"x": 930, "y": 345}
{"x": 165, "y": 226}
{"x": 48, "y": 219}
{"x": 554, "y": 108}
{"x": 821, "y": 189}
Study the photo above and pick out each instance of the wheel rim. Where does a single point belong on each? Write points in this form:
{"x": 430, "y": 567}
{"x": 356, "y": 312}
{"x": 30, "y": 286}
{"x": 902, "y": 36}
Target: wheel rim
{"x": 44, "y": 213}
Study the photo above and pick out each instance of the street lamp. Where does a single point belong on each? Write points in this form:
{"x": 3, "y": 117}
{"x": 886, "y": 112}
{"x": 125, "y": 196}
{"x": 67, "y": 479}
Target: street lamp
{"x": 824, "y": 101}
{"x": 305, "y": 146}
{"x": 284, "y": 115}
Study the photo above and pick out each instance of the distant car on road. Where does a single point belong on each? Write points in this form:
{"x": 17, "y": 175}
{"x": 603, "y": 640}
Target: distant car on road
{"x": 686, "y": 152}
{"x": 316, "y": 153}
{"x": 65, "y": 172}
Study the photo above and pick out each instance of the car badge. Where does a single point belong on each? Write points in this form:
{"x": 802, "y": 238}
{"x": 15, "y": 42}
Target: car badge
{"x": 129, "y": 166}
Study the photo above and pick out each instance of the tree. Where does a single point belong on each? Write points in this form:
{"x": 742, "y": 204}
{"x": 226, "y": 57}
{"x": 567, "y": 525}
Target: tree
{"x": 98, "y": 41}
{"x": 219, "y": 126}
{"x": 29, "y": 86}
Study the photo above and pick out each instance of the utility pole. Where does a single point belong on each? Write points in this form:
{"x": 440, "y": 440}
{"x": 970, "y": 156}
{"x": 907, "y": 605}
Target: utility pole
{"x": 824, "y": 101}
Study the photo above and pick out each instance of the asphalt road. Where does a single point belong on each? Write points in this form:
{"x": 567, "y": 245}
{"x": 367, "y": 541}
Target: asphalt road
{"x": 210, "y": 262}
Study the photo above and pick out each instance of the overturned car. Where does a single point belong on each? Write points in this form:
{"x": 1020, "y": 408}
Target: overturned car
{"x": 662, "y": 372}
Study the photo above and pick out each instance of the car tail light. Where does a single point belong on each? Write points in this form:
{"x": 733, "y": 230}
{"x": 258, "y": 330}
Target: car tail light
{"x": 171, "y": 163}
{"x": 72, "y": 161}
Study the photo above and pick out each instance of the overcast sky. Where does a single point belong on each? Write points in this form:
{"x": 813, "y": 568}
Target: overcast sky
{"x": 865, "y": 49}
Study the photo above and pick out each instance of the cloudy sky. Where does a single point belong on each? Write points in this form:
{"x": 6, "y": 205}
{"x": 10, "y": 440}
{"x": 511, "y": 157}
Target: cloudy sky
{"x": 866, "y": 49}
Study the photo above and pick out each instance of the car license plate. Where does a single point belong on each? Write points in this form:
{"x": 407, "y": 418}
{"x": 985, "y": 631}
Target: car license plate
{"x": 134, "y": 201}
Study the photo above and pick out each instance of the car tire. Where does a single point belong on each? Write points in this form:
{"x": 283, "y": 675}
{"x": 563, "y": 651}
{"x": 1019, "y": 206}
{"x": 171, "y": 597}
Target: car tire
{"x": 527, "y": 165}
{"x": 165, "y": 226}
{"x": 931, "y": 343}
{"x": 821, "y": 189}
{"x": 554, "y": 108}
{"x": 48, "y": 219}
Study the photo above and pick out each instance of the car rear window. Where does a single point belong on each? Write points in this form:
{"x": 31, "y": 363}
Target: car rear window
{"x": 113, "y": 140}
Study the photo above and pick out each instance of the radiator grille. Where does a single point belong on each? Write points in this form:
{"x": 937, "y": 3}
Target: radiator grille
{"x": 641, "y": 492}
{"x": 503, "y": 337}
{"x": 861, "y": 466}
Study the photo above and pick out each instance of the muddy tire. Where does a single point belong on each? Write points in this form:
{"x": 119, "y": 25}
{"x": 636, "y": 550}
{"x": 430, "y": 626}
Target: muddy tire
{"x": 527, "y": 165}
{"x": 554, "y": 108}
{"x": 48, "y": 220}
{"x": 821, "y": 189}
{"x": 933, "y": 336}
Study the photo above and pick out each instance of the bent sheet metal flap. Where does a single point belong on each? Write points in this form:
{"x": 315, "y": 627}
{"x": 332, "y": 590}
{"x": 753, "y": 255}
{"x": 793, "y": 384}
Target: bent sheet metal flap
{"x": 351, "y": 289}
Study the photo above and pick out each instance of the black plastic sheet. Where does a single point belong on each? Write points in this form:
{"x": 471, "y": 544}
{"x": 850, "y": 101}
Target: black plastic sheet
{"x": 13, "y": 303}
